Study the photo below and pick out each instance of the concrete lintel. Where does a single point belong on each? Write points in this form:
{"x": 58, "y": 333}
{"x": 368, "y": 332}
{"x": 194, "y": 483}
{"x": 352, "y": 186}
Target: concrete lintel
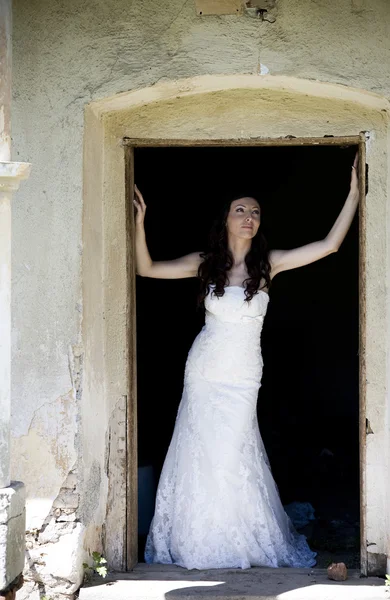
{"x": 12, "y": 532}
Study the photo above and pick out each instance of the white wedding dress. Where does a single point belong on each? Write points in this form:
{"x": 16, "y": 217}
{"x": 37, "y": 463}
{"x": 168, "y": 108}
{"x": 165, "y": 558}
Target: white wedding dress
{"x": 217, "y": 504}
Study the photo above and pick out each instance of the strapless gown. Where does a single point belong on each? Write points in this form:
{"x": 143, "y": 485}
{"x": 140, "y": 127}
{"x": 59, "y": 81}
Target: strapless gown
{"x": 217, "y": 504}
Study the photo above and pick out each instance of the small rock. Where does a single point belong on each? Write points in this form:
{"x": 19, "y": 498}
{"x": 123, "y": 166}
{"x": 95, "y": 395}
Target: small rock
{"x": 337, "y": 571}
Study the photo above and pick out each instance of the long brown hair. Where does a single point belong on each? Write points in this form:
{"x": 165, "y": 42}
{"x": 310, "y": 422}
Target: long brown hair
{"x": 218, "y": 260}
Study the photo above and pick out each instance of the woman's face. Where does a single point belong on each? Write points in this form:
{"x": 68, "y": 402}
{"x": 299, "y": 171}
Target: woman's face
{"x": 243, "y": 220}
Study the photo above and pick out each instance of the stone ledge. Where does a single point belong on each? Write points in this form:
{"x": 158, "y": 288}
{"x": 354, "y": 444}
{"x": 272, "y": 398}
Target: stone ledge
{"x": 11, "y": 173}
{"x": 12, "y": 531}
{"x": 12, "y": 501}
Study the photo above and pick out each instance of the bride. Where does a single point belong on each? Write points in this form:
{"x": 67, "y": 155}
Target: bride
{"x": 217, "y": 504}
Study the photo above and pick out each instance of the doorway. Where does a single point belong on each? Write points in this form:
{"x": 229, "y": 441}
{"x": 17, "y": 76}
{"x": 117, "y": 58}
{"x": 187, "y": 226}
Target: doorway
{"x": 309, "y": 418}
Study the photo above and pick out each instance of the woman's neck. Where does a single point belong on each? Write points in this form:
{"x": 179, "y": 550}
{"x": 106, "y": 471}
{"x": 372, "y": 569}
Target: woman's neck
{"x": 239, "y": 248}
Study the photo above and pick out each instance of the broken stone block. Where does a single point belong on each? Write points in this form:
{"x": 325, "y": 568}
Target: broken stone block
{"x": 70, "y": 481}
{"x": 64, "y": 517}
{"x": 54, "y": 530}
{"x": 58, "y": 566}
{"x": 29, "y": 591}
{"x": 66, "y": 499}
{"x": 49, "y": 534}
{"x": 337, "y": 571}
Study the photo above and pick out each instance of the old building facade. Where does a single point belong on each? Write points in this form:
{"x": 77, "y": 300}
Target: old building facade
{"x": 86, "y": 76}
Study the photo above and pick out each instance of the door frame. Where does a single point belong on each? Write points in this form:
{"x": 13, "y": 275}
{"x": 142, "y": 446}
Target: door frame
{"x": 129, "y": 145}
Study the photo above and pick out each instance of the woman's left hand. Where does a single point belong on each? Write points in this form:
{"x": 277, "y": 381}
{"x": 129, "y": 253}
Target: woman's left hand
{"x": 354, "y": 175}
{"x": 283, "y": 260}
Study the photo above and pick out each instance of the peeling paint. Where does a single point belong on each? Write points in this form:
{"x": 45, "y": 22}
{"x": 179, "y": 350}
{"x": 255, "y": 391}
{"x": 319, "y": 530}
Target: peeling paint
{"x": 76, "y": 355}
{"x": 49, "y": 442}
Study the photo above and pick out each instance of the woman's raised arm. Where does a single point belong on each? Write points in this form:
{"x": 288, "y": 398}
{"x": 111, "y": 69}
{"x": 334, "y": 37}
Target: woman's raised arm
{"x": 283, "y": 260}
{"x": 186, "y": 266}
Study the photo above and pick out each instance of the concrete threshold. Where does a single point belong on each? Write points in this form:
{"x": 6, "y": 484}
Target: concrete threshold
{"x": 167, "y": 582}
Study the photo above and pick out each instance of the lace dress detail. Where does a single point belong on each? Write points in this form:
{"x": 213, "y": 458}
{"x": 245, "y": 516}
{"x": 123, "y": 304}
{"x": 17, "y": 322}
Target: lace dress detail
{"x": 217, "y": 504}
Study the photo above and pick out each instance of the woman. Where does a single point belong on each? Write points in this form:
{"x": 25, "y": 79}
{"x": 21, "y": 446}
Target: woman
{"x": 217, "y": 504}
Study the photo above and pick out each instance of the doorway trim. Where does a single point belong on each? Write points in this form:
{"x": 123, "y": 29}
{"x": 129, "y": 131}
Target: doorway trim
{"x": 129, "y": 146}
{"x": 243, "y": 107}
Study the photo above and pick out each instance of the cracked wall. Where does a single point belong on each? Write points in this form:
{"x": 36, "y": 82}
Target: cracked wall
{"x": 65, "y": 56}
{"x": 46, "y": 451}
{"x": 54, "y": 551}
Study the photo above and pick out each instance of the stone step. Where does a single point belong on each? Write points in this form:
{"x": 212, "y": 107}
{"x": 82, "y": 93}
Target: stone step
{"x": 166, "y": 582}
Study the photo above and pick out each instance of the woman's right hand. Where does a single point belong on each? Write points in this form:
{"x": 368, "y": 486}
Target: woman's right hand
{"x": 179, "y": 268}
{"x": 140, "y": 206}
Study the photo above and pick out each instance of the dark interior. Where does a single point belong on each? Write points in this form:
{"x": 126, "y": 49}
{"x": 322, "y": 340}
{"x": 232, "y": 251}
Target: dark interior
{"x": 308, "y": 404}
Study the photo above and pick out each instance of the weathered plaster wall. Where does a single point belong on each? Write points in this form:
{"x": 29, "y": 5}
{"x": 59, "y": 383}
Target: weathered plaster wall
{"x": 67, "y": 54}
